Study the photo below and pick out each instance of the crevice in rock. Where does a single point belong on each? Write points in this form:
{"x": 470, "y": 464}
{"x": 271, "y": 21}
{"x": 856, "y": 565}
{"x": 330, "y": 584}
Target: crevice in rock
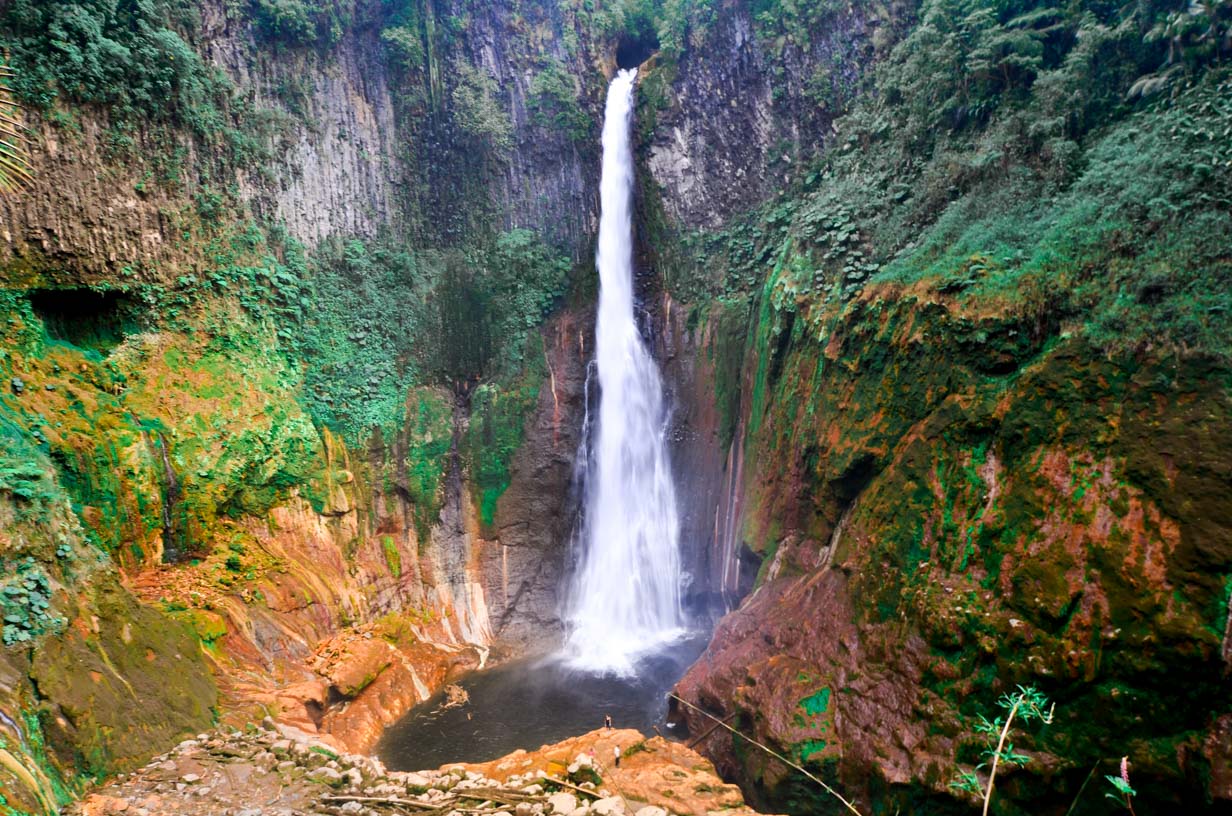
{"x": 84, "y": 317}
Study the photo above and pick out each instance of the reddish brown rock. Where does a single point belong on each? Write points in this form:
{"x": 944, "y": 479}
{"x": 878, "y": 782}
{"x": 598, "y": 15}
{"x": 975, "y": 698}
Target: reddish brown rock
{"x": 652, "y": 772}
{"x": 935, "y": 536}
{"x": 411, "y": 673}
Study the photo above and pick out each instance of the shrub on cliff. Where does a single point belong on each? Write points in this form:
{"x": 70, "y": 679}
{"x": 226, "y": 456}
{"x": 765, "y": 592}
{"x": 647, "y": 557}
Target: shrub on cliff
{"x": 1072, "y": 161}
{"x": 301, "y": 22}
{"x": 477, "y": 107}
{"x": 132, "y": 57}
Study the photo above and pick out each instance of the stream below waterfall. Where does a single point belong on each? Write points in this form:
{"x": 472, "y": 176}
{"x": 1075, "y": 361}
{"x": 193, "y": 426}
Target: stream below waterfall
{"x": 531, "y": 703}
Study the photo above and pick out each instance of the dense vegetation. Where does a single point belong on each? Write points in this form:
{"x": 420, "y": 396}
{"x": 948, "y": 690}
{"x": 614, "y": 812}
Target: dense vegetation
{"x": 1013, "y": 245}
{"x": 380, "y": 318}
{"x": 1071, "y": 159}
{"x": 1067, "y": 165}
{"x": 357, "y": 330}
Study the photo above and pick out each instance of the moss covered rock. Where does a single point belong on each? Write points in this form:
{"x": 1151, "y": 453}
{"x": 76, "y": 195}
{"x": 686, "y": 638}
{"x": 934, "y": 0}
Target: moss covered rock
{"x": 123, "y": 681}
{"x": 957, "y": 504}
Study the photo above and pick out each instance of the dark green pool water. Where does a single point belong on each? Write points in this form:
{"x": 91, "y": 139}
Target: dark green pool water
{"x": 527, "y": 704}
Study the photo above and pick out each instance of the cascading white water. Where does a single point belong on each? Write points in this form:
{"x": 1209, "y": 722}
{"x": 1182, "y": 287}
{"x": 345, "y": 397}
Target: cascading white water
{"x": 625, "y": 599}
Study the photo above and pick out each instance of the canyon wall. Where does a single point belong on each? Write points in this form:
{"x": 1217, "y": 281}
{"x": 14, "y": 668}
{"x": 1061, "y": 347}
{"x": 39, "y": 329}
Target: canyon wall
{"x": 949, "y": 508}
{"x": 950, "y": 484}
{"x": 182, "y": 535}
{"x": 295, "y": 356}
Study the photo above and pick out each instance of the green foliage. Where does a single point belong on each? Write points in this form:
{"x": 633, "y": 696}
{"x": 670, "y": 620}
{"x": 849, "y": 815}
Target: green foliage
{"x": 783, "y": 22}
{"x": 25, "y": 473}
{"x": 15, "y": 171}
{"x": 526, "y": 278}
{"x": 554, "y": 104}
{"x": 498, "y": 416}
{"x": 1008, "y": 156}
{"x": 636, "y": 748}
{"x": 477, "y": 107}
{"x": 1026, "y": 705}
{"x": 490, "y": 299}
{"x": 404, "y": 46}
{"x": 300, "y": 22}
{"x": 429, "y": 437}
{"x": 359, "y": 332}
{"x": 684, "y": 23}
{"x": 133, "y": 57}
{"x": 816, "y": 703}
{"x": 585, "y": 774}
{"x": 1122, "y": 792}
{"x": 371, "y": 320}
{"x": 1195, "y": 36}
{"x": 25, "y": 601}
{"x": 393, "y": 558}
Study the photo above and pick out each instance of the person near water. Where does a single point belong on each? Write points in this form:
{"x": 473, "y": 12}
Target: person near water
{"x": 616, "y": 752}
{"x": 607, "y": 721}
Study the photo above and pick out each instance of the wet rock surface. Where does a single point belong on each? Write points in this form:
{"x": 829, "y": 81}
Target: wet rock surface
{"x": 934, "y": 538}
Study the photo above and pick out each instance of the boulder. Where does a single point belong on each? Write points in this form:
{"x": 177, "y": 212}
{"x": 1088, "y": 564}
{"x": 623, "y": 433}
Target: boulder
{"x": 611, "y": 806}
{"x": 562, "y": 803}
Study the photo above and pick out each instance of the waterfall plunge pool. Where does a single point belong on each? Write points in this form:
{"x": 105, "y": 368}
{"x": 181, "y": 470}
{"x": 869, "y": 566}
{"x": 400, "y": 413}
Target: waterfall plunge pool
{"x": 531, "y": 703}
{"x": 626, "y": 593}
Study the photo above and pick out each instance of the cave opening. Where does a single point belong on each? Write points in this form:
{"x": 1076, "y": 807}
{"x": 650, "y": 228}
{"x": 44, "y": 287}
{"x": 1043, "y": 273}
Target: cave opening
{"x": 86, "y": 318}
{"x": 635, "y": 47}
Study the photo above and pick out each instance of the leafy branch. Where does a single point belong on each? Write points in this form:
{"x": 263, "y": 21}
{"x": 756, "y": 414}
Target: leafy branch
{"x": 15, "y": 171}
{"x": 1026, "y": 704}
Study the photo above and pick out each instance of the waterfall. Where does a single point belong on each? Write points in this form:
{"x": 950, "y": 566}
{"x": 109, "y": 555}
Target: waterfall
{"x": 625, "y": 598}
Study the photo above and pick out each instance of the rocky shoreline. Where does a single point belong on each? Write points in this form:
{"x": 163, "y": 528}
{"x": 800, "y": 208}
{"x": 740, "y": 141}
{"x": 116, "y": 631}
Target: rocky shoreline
{"x": 279, "y": 770}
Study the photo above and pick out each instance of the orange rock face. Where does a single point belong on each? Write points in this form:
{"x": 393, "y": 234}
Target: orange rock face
{"x": 653, "y": 772}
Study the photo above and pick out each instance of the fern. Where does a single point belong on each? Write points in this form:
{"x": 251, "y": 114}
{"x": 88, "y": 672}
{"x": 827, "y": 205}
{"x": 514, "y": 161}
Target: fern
{"x": 15, "y": 170}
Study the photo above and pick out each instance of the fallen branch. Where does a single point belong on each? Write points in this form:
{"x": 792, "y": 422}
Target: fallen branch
{"x": 496, "y": 795}
{"x": 570, "y": 786}
{"x": 384, "y": 800}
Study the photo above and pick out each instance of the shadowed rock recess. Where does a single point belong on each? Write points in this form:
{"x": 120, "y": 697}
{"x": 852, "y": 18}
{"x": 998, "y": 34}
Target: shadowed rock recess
{"x": 296, "y": 352}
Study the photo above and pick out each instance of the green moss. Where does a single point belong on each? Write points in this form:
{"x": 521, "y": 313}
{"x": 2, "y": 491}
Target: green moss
{"x": 429, "y": 437}
{"x": 553, "y": 102}
{"x": 808, "y": 749}
{"x": 393, "y": 558}
{"x": 731, "y": 338}
{"x": 498, "y": 419}
{"x": 210, "y": 627}
{"x": 134, "y": 685}
{"x": 817, "y": 703}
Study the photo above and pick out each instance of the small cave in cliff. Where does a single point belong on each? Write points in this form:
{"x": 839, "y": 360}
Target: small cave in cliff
{"x": 635, "y": 47}
{"x": 85, "y": 318}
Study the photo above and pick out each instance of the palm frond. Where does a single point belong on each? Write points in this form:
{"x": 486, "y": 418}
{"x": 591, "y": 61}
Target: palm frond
{"x": 15, "y": 170}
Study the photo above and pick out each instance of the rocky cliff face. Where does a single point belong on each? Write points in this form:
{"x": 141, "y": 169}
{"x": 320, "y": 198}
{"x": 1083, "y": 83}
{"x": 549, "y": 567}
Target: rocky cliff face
{"x": 169, "y": 508}
{"x": 350, "y": 147}
{"x": 951, "y": 493}
{"x": 730, "y": 119}
{"x": 950, "y": 503}
{"x": 524, "y": 564}
{"x": 938, "y": 495}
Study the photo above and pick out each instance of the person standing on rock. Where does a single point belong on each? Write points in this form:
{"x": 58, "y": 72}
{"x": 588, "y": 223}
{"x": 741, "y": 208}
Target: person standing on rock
{"x": 607, "y": 721}
{"x": 616, "y": 753}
